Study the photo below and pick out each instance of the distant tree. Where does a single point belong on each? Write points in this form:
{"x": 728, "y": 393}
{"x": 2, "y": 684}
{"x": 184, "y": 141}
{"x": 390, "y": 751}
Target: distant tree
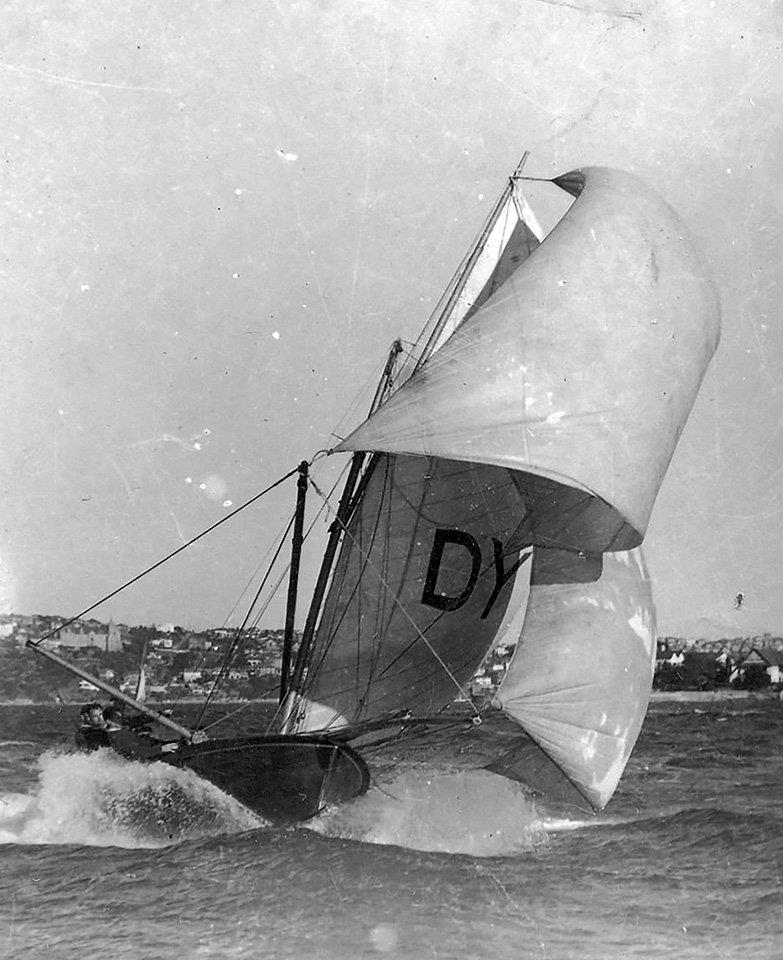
{"x": 180, "y": 661}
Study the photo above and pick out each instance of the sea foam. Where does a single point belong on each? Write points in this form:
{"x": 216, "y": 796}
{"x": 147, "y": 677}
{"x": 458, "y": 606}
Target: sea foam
{"x": 100, "y": 799}
{"x": 472, "y": 812}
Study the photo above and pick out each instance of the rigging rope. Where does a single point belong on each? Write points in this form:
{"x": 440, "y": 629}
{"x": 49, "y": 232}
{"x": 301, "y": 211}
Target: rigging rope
{"x": 239, "y": 633}
{"x": 240, "y": 708}
{"x": 251, "y": 580}
{"x": 232, "y": 650}
{"x": 160, "y": 563}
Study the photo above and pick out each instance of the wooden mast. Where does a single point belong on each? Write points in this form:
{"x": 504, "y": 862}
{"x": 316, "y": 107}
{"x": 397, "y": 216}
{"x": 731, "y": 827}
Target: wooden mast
{"x": 293, "y": 577}
{"x": 344, "y": 509}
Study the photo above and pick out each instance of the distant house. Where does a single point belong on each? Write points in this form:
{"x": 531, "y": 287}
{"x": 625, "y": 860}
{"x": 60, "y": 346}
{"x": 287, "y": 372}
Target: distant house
{"x": 761, "y": 666}
{"x": 90, "y": 634}
{"x": 130, "y": 683}
{"x": 687, "y": 670}
{"x": 265, "y": 671}
{"x": 667, "y": 656}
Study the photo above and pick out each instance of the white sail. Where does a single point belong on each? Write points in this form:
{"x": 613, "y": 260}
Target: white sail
{"x": 508, "y": 243}
{"x": 579, "y": 681}
{"x": 141, "y": 686}
{"x": 419, "y": 593}
{"x": 531, "y": 440}
{"x": 582, "y": 366}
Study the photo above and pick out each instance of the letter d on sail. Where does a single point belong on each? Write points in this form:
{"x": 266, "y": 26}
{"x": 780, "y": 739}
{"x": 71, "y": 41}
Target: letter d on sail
{"x": 442, "y": 601}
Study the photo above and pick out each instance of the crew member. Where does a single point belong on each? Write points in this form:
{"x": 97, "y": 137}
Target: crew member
{"x": 91, "y": 728}
{"x": 132, "y": 745}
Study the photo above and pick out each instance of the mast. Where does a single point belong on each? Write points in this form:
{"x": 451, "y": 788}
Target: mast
{"x": 293, "y": 579}
{"x": 112, "y": 691}
{"x": 344, "y": 510}
{"x": 335, "y": 529}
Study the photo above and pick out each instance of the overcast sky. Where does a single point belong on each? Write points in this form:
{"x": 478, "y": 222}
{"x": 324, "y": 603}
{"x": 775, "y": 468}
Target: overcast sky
{"x": 217, "y": 216}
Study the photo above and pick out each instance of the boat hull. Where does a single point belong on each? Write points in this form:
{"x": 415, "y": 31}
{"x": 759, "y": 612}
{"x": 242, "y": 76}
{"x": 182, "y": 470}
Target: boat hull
{"x": 284, "y": 779}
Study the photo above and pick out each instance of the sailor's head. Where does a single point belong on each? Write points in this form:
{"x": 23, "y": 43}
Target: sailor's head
{"x": 113, "y": 718}
{"x": 92, "y": 713}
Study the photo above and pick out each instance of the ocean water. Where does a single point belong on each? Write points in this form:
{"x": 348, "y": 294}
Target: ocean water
{"x": 102, "y": 857}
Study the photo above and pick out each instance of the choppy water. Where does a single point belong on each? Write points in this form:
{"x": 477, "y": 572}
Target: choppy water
{"x": 99, "y": 856}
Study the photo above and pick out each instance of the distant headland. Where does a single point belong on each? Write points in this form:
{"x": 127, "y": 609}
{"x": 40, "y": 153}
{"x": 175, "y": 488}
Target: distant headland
{"x": 182, "y": 664}
{"x": 179, "y": 664}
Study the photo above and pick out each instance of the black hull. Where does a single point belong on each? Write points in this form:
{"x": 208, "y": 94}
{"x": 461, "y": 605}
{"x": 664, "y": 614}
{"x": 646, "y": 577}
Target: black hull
{"x": 284, "y": 779}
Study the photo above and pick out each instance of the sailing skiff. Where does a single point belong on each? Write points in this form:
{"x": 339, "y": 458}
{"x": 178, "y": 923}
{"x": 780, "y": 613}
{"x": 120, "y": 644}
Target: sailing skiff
{"x": 498, "y": 492}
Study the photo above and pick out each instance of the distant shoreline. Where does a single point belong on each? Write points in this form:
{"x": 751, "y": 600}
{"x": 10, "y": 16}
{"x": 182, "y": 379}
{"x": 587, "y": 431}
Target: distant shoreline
{"x": 710, "y": 696}
{"x": 23, "y": 702}
{"x": 657, "y": 696}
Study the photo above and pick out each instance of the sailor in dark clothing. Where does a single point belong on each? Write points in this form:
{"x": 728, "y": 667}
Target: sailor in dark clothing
{"x": 91, "y": 729}
{"x": 131, "y": 744}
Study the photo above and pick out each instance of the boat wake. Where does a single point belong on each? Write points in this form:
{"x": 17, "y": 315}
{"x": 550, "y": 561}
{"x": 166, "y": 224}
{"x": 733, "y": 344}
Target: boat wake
{"x": 99, "y": 799}
{"x": 471, "y": 812}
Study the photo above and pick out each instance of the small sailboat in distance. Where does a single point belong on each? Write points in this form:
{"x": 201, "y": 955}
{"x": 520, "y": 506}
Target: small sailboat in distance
{"x": 499, "y": 491}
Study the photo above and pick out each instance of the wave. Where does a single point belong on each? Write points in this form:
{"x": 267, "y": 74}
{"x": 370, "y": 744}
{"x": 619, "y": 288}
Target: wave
{"x": 683, "y": 828}
{"x": 696, "y": 826}
{"x": 18, "y": 743}
{"x": 475, "y": 812}
{"x": 100, "y": 799}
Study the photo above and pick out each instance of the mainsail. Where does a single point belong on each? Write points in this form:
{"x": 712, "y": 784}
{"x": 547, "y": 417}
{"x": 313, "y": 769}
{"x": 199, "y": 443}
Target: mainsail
{"x": 520, "y": 458}
{"x": 432, "y": 550}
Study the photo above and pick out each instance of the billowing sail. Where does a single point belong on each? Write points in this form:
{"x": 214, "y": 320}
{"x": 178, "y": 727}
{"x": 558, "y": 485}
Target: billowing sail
{"x": 530, "y": 441}
{"x": 582, "y": 366}
{"x": 580, "y": 677}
